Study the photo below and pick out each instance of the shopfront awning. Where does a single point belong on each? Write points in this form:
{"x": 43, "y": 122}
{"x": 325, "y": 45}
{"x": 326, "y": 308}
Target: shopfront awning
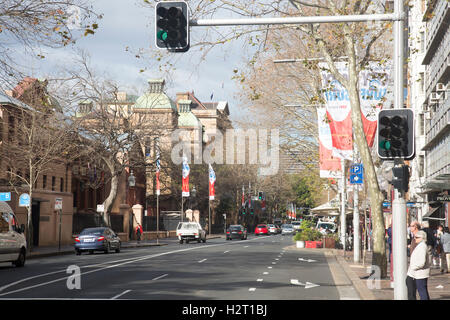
{"x": 431, "y": 212}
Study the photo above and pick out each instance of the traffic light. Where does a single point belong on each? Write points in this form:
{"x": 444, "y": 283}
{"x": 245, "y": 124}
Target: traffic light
{"x": 172, "y": 26}
{"x": 400, "y": 179}
{"x": 260, "y": 195}
{"x": 396, "y": 134}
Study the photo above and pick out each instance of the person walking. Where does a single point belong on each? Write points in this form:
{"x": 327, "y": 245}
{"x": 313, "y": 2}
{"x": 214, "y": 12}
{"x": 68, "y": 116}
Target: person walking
{"x": 138, "y": 232}
{"x": 419, "y": 269}
{"x": 389, "y": 240}
{"x": 445, "y": 239}
{"x": 431, "y": 240}
{"x": 439, "y": 249}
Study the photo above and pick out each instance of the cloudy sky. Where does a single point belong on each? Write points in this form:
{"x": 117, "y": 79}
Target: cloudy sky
{"x": 126, "y": 28}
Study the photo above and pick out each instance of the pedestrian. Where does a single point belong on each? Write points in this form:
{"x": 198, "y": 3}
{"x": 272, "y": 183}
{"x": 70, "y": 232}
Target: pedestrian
{"x": 431, "y": 241}
{"x": 138, "y": 232}
{"x": 440, "y": 249}
{"x": 445, "y": 239}
{"x": 419, "y": 269}
{"x": 413, "y": 228}
{"x": 389, "y": 240}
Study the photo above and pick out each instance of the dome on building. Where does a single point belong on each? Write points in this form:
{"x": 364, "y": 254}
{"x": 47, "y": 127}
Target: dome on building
{"x": 155, "y": 98}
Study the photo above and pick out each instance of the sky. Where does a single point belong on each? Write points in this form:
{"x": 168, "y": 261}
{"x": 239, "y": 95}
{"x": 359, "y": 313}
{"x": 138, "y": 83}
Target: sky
{"x": 126, "y": 28}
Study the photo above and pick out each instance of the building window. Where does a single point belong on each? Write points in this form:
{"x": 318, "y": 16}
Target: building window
{"x": 53, "y": 183}
{"x": 422, "y": 42}
{"x": 422, "y": 83}
{"x": 44, "y": 181}
{"x": 421, "y": 124}
{"x": 61, "y": 185}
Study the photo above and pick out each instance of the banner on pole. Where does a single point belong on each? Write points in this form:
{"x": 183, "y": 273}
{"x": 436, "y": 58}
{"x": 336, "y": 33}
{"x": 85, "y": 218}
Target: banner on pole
{"x": 212, "y": 180}
{"x": 185, "y": 181}
{"x": 158, "y": 169}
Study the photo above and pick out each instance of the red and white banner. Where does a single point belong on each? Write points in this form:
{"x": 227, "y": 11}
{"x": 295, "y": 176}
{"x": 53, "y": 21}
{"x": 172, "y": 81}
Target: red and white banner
{"x": 243, "y": 196}
{"x": 373, "y": 95}
{"x": 158, "y": 169}
{"x": 185, "y": 174}
{"x": 212, "y": 180}
{"x": 330, "y": 167}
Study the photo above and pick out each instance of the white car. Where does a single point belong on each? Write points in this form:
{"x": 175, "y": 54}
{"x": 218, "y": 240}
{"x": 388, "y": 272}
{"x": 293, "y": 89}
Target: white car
{"x": 273, "y": 229}
{"x": 287, "y": 229}
{"x": 13, "y": 245}
{"x": 296, "y": 225}
{"x": 187, "y": 231}
{"x": 326, "y": 227}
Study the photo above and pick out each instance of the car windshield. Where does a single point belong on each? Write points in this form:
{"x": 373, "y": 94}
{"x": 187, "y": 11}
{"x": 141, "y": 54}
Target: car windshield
{"x": 92, "y": 231}
{"x": 261, "y": 226}
{"x": 297, "y": 223}
{"x": 187, "y": 225}
{"x": 235, "y": 227}
{"x": 271, "y": 226}
{"x": 327, "y": 226}
{"x": 287, "y": 226}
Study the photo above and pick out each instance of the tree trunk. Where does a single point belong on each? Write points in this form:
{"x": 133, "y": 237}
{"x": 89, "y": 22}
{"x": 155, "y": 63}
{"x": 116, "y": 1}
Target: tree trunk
{"x": 375, "y": 195}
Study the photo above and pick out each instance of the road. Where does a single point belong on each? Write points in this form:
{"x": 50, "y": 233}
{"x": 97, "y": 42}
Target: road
{"x": 260, "y": 268}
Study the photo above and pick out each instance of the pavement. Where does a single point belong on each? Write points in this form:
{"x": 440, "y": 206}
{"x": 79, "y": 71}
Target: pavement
{"x": 368, "y": 289}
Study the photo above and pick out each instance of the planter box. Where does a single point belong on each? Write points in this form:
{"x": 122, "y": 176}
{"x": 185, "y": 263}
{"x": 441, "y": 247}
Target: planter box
{"x": 300, "y": 244}
{"x": 313, "y": 244}
{"x": 330, "y": 243}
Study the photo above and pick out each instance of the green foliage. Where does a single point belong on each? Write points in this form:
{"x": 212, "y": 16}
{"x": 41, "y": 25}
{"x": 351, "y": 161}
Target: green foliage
{"x": 308, "y": 234}
{"x": 307, "y": 224}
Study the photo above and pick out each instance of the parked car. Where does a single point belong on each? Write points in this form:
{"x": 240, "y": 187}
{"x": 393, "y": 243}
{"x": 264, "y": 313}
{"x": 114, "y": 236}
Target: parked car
{"x": 236, "y": 232}
{"x": 326, "y": 227}
{"x": 296, "y": 225}
{"x": 13, "y": 244}
{"x": 287, "y": 229}
{"x": 273, "y": 229}
{"x": 97, "y": 239}
{"x": 187, "y": 231}
{"x": 261, "y": 229}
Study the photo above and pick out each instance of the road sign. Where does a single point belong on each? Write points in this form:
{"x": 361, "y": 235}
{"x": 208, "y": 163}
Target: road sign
{"x": 58, "y": 203}
{"x": 5, "y": 196}
{"x": 100, "y": 208}
{"x": 356, "y": 174}
{"x": 24, "y": 200}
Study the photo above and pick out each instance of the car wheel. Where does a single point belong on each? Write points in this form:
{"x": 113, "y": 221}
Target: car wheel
{"x": 204, "y": 240}
{"x": 78, "y": 252}
{"x": 199, "y": 240}
{"x": 118, "y": 249}
{"x": 187, "y": 241}
{"x": 181, "y": 241}
{"x": 91, "y": 251}
{"x": 20, "y": 262}
{"x": 107, "y": 248}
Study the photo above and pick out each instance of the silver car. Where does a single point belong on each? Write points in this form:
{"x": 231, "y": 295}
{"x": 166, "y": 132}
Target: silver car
{"x": 287, "y": 229}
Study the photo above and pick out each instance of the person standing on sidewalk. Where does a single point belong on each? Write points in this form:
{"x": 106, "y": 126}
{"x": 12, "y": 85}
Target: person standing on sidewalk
{"x": 413, "y": 228}
{"x": 419, "y": 269}
{"x": 138, "y": 232}
{"x": 431, "y": 240}
{"x": 440, "y": 249}
{"x": 445, "y": 239}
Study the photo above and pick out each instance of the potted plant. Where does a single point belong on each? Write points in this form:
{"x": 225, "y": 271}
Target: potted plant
{"x": 310, "y": 238}
{"x": 300, "y": 239}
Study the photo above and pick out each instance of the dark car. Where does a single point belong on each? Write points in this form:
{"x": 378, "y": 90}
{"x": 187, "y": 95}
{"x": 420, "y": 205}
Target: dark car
{"x": 236, "y": 232}
{"x": 97, "y": 239}
{"x": 261, "y": 229}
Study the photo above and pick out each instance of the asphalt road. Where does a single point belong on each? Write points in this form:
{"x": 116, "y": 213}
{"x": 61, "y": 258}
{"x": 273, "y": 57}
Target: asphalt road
{"x": 260, "y": 268}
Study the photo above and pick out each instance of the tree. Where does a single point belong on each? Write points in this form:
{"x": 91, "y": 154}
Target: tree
{"x": 38, "y": 140}
{"x": 28, "y": 26}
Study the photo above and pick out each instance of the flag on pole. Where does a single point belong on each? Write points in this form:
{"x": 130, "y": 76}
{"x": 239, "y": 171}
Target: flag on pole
{"x": 158, "y": 169}
{"x": 212, "y": 180}
{"x": 185, "y": 173}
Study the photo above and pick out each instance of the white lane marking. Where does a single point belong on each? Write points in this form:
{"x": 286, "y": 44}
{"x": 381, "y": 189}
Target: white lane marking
{"x": 246, "y": 246}
{"x": 259, "y": 280}
{"x": 265, "y": 272}
{"x": 226, "y": 251}
{"x": 269, "y": 267}
{"x": 307, "y": 285}
{"x": 274, "y": 263}
{"x": 277, "y": 259}
{"x": 251, "y": 289}
{"x": 121, "y": 294}
{"x": 202, "y": 260}
{"x": 160, "y": 277}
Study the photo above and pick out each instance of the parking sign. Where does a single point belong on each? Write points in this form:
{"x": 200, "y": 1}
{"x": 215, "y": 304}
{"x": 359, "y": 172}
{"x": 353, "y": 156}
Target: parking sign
{"x": 356, "y": 173}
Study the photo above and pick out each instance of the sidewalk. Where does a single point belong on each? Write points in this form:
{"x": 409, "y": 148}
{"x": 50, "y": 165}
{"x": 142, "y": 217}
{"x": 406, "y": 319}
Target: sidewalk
{"x": 48, "y": 251}
{"x": 438, "y": 283}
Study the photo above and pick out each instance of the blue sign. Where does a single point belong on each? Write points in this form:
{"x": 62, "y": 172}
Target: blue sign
{"x": 356, "y": 174}
{"x": 5, "y": 196}
{"x": 24, "y": 200}
{"x": 386, "y": 204}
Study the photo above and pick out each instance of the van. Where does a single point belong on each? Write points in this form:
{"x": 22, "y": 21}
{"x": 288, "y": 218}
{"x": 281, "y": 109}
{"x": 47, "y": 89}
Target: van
{"x": 13, "y": 245}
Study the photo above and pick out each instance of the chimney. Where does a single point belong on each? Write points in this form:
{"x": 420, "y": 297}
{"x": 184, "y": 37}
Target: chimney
{"x": 184, "y": 105}
{"x": 121, "y": 96}
{"x": 156, "y": 85}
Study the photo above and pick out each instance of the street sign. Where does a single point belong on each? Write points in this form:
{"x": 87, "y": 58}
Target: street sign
{"x": 356, "y": 174}
{"x": 24, "y": 200}
{"x": 100, "y": 208}
{"x": 5, "y": 196}
{"x": 58, "y": 203}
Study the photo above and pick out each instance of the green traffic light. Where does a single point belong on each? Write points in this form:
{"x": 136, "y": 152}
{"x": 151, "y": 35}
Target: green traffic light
{"x": 385, "y": 145}
{"x": 162, "y": 35}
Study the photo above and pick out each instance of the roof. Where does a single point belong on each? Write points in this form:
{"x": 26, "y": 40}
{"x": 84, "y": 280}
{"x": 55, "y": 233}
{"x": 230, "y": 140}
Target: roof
{"x": 5, "y": 99}
{"x": 188, "y": 119}
{"x": 155, "y": 101}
